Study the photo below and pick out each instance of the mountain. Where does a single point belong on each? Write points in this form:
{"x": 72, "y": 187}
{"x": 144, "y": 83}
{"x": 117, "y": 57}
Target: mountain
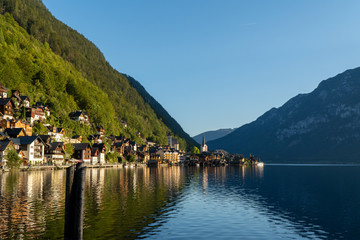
{"x": 129, "y": 101}
{"x": 321, "y": 126}
{"x": 212, "y": 135}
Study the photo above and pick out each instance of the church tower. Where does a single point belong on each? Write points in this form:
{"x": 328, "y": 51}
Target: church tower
{"x": 204, "y": 147}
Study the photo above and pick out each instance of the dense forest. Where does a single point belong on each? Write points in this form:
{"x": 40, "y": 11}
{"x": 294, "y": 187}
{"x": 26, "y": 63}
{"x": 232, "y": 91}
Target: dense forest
{"x": 125, "y": 98}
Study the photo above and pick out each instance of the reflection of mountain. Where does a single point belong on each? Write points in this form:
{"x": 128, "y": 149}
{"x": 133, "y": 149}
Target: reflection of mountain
{"x": 315, "y": 200}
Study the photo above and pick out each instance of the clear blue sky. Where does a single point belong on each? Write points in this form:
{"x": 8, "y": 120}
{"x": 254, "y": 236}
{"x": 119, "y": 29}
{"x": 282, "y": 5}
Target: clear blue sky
{"x": 219, "y": 64}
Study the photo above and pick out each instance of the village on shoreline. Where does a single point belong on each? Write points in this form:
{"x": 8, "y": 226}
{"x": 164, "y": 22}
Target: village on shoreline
{"x": 56, "y": 149}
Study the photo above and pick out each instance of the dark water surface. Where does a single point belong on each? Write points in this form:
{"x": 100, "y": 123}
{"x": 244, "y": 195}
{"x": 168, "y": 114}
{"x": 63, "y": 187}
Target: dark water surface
{"x": 272, "y": 202}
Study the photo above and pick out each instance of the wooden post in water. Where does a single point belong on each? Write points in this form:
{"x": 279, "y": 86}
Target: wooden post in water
{"x": 74, "y": 201}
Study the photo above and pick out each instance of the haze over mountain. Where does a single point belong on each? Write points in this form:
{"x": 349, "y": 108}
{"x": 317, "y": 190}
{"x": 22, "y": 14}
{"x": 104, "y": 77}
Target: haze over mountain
{"x": 212, "y": 135}
{"x": 79, "y": 77}
{"x": 321, "y": 126}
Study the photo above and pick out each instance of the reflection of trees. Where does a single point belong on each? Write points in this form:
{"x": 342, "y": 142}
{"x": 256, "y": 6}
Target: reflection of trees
{"x": 132, "y": 199}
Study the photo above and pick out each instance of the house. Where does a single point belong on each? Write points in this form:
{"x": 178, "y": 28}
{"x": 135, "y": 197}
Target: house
{"x": 43, "y": 107}
{"x": 76, "y": 139}
{"x": 7, "y": 108}
{"x": 171, "y": 156}
{"x": 45, "y": 138}
{"x": 100, "y": 130}
{"x": 79, "y": 116}
{"x": 182, "y": 158}
{"x": 5, "y": 123}
{"x": 118, "y": 147}
{"x": 143, "y": 157}
{"x": 19, "y": 100}
{"x": 56, "y": 133}
{"x": 124, "y": 123}
{"x": 15, "y": 132}
{"x": 32, "y": 147}
{"x": 98, "y": 152}
{"x": 95, "y": 138}
{"x": 5, "y": 145}
{"x": 34, "y": 114}
{"x": 55, "y": 152}
{"x": 82, "y": 152}
{"x": 3, "y": 91}
{"x": 25, "y": 101}
{"x": 18, "y": 123}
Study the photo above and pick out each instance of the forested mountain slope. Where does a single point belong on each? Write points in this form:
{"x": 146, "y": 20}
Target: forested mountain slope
{"x": 129, "y": 103}
{"x": 321, "y": 126}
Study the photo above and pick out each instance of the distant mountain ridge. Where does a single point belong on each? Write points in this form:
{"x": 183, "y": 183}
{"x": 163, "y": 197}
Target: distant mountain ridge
{"x": 321, "y": 126}
{"x": 212, "y": 135}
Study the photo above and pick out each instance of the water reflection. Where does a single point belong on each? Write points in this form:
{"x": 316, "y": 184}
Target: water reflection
{"x": 31, "y": 203}
{"x": 313, "y": 202}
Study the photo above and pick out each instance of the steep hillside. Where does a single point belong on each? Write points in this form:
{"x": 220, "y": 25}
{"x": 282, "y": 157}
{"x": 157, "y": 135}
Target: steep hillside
{"x": 30, "y": 66}
{"x": 129, "y": 104}
{"x": 212, "y": 135}
{"x": 322, "y": 126}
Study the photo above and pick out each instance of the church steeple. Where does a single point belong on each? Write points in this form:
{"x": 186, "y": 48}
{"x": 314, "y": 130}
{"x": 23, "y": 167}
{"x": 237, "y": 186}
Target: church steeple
{"x": 204, "y": 147}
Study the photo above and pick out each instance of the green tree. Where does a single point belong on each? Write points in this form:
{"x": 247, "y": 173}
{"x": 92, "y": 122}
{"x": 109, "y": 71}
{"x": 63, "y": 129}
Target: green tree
{"x": 39, "y": 129}
{"x": 130, "y": 158}
{"x": 195, "y": 150}
{"x": 69, "y": 150}
{"x": 13, "y": 159}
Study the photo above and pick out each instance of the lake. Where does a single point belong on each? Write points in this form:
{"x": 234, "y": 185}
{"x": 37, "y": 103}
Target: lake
{"x": 235, "y": 202}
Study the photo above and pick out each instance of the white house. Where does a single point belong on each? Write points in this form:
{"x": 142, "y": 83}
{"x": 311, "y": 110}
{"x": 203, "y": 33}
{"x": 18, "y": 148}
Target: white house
{"x": 54, "y": 152}
{"x": 32, "y": 147}
{"x": 98, "y": 152}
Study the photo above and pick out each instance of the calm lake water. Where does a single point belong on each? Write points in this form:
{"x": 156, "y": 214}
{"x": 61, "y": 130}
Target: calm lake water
{"x": 272, "y": 202}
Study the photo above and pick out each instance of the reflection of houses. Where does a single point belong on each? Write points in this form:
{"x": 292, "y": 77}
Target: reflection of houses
{"x": 79, "y": 116}
{"x": 98, "y": 152}
{"x": 5, "y": 145}
{"x": 32, "y": 147}
{"x": 82, "y": 152}
{"x": 54, "y": 152}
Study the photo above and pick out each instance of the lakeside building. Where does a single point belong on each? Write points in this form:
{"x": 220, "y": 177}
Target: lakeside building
{"x": 32, "y": 147}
